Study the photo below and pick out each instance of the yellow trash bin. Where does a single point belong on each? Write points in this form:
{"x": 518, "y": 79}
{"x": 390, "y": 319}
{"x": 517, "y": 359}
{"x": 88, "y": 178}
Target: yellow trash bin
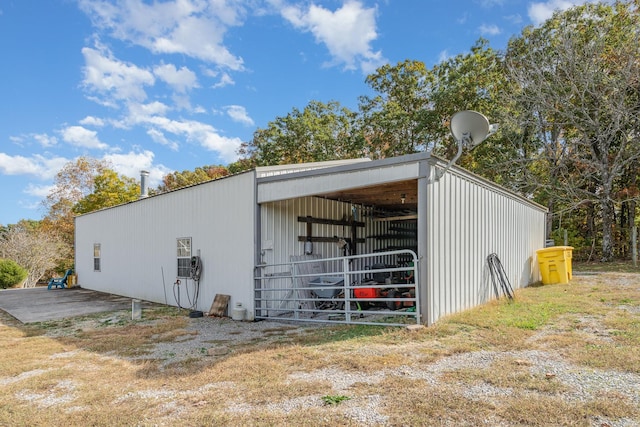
{"x": 555, "y": 264}
{"x": 568, "y": 256}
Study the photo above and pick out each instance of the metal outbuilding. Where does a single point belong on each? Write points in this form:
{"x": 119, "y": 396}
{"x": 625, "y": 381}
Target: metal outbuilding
{"x": 306, "y": 241}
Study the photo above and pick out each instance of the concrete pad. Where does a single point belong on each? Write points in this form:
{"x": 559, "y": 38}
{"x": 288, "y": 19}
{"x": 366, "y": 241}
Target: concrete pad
{"x": 40, "y": 304}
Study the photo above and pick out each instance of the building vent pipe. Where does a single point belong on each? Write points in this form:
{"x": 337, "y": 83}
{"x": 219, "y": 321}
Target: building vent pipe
{"x": 144, "y": 191}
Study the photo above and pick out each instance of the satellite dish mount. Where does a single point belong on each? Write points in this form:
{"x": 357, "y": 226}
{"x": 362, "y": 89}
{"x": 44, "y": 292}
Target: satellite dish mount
{"x": 470, "y": 129}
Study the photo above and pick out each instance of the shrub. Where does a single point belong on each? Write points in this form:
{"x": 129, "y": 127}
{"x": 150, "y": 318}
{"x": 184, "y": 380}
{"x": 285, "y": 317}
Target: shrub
{"x": 11, "y": 273}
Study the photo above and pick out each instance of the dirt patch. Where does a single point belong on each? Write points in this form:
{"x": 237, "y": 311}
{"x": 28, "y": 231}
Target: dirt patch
{"x": 199, "y": 338}
{"x": 215, "y": 337}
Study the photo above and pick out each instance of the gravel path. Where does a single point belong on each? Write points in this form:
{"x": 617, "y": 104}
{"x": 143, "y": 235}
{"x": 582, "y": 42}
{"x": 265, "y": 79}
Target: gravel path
{"x": 213, "y": 336}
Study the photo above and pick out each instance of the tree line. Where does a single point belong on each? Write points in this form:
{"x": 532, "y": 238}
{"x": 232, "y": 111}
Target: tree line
{"x": 566, "y": 95}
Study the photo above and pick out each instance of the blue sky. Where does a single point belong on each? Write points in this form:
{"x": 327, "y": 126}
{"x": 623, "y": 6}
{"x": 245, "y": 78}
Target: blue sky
{"x": 176, "y": 84}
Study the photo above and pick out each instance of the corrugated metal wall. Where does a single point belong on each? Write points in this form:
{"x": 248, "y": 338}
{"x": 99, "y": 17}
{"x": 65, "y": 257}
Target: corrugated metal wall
{"x": 280, "y": 228}
{"x": 138, "y": 242}
{"x": 467, "y": 221}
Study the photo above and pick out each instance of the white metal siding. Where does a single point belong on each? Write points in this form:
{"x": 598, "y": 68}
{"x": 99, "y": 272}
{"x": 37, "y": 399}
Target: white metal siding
{"x": 310, "y": 185}
{"x": 138, "y": 241}
{"x": 266, "y": 171}
{"x": 281, "y": 228}
{"x": 467, "y": 221}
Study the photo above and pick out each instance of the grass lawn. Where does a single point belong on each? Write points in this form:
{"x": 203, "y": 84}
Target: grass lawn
{"x": 557, "y": 355}
{"x": 613, "y": 266}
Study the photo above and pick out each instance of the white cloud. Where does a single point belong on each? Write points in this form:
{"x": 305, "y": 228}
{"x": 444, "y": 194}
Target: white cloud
{"x": 201, "y": 133}
{"x": 540, "y": 12}
{"x": 132, "y": 163}
{"x": 150, "y": 109}
{"x": 109, "y": 77}
{"x": 515, "y": 19}
{"x": 92, "y": 121}
{"x": 140, "y": 113}
{"x": 239, "y": 114}
{"x": 182, "y": 102}
{"x": 489, "y": 30}
{"x": 82, "y": 137}
{"x": 152, "y": 116}
{"x": 225, "y": 80}
{"x": 182, "y": 80}
{"x": 160, "y": 138}
{"x": 36, "y": 165}
{"x": 224, "y": 146}
{"x": 45, "y": 140}
{"x": 199, "y": 109}
{"x": 188, "y": 27}
{"x": 40, "y": 191}
{"x": 347, "y": 33}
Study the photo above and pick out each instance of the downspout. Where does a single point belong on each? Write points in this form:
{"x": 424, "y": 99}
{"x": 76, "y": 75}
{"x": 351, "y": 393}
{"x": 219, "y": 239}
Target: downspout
{"x": 257, "y": 245}
{"x": 423, "y": 241}
{"x": 75, "y": 248}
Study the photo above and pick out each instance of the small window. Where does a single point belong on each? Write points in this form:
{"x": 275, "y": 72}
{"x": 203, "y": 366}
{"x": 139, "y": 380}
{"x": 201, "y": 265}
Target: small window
{"x": 184, "y": 257}
{"x": 96, "y": 257}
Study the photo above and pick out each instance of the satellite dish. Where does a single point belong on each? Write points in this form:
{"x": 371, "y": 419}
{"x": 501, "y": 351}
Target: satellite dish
{"x": 471, "y": 128}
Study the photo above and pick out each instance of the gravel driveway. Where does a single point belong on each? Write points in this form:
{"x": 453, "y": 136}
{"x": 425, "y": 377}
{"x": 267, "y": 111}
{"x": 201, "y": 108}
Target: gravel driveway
{"x": 210, "y": 337}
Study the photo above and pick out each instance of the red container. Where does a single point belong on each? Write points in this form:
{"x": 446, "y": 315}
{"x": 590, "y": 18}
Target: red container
{"x": 366, "y": 292}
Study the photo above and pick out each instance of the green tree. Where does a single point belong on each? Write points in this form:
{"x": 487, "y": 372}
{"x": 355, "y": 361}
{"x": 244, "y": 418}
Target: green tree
{"x": 468, "y": 81}
{"x": 185, "y": 178}
{"x": 109, "y": 189}
{"x": 244, "y": 163}
{"x": 71, "y": 184}
{"x": 580, "y": 92}
{"x": 320, "y": 132}
{"x": 476, "y": 80}
{"x": 393, "y": 121}
{"x": 11, "y": 273}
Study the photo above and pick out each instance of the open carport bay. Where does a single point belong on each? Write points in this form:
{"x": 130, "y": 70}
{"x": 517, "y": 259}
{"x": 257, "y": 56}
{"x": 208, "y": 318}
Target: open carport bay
{"x": 41, "y": 304}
